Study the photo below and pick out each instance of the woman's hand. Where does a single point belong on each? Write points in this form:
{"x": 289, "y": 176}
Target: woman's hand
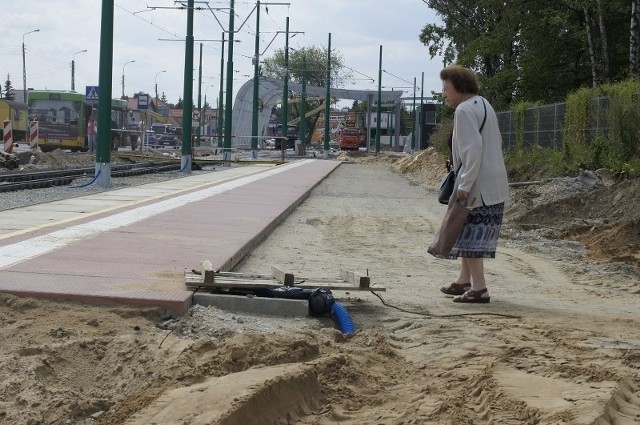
{"x": 462, "y": 195}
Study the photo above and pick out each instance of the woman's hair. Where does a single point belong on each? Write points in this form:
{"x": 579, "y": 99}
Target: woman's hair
{"x": 463, "y": 79}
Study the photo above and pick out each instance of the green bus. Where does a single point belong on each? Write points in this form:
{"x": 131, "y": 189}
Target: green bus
{"x": 63, "y": 115}
{"x": 62, "y": 119}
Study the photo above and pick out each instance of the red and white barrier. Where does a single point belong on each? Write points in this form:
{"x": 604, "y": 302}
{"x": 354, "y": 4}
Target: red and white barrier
{"x": 7, "y": 133}
{"x": 33, "y": 135}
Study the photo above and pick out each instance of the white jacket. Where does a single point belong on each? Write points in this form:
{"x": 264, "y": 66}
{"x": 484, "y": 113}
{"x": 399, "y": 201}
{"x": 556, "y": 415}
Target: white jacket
{"x": 482, "y": 173}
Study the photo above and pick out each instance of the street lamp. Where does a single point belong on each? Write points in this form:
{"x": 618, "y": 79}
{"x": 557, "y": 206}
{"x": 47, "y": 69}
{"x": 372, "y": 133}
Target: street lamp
{"x": 24, "y": 67}
{"x": 125, "y": 64}
{"x": 73, "y": 69}
{"x": 157, "y": 81}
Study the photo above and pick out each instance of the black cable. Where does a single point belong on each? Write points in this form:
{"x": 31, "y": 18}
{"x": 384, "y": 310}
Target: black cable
{"x": 442, "y": 315}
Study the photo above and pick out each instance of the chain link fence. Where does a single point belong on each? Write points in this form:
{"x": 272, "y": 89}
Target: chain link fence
{"x": 542, "y": 127}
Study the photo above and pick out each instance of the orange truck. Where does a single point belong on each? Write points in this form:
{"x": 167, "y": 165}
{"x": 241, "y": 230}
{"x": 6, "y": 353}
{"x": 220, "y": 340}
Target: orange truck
{"x": 349, "y": 139}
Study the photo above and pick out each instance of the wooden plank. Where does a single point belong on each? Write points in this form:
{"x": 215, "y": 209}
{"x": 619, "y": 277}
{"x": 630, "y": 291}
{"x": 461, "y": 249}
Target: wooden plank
{"x": 192, "y": 279}
{"x": 282, "y": 277}
{"x": 208, "y": 274}
{"x": 356, "y": 279}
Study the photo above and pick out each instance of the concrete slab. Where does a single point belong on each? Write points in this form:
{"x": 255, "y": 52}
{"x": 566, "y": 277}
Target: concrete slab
{"x": 134, "y": 249}
{"x": 42, "y": 214}
{"x": 256, "y": 305}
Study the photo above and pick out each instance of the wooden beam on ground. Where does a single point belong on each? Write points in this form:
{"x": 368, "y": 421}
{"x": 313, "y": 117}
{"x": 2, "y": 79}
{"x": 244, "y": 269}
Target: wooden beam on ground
{"x": 208, "y": 274}
{"x": 285, "y": 278}
{"x": 356, "y": 279}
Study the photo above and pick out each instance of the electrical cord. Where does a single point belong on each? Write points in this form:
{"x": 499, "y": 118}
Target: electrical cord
{"x": 89, "y": 183}
{"x": 509, "y": 316}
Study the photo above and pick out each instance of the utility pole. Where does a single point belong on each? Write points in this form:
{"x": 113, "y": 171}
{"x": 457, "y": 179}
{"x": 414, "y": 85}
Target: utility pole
{"x": 187, "y": 108}
{"x": 220, "y": 98}
{"x": 73, "y": 69}
{"x": 256, "y": 86}
{"x": 256, "y": 79}
{"x": 421, "y": 117}
{"x": 125, "y": 64}
{"x": 103, "y": 151}
{"x": 156, "y": 80}
{"x": 226, "y": 147}
{"x": 327, "y": 102}
{"x": 303, "y": 104}
{"x": 378, "y": 113}
{"x": 413, "y": 120}
{"x": 285, "y": 95}
{"x": 24, "y": 67}
{"x": 199, "y": 99}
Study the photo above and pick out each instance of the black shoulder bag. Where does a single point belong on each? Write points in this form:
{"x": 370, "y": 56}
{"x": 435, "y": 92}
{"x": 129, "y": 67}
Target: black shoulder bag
{"x": 448, "y": 183}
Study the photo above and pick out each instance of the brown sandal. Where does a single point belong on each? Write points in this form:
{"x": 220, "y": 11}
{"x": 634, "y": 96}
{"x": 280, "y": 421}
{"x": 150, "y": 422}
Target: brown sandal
{"x": 471, "y": 296}
{"x": 456, "y": 288}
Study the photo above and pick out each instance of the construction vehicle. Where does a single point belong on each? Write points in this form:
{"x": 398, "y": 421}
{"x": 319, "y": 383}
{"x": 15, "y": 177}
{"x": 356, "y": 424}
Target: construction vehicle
{"x": 349, "y": 139}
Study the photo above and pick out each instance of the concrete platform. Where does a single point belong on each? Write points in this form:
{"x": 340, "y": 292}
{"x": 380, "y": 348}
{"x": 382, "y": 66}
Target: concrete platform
{"x": 255, "y": 305}
{"x": 132, "y": 245}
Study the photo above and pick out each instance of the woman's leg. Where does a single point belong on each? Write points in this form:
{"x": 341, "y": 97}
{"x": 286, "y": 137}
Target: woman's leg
{"x": 465, "y": 272}
{"x": 478, "y": 292}
{"x": 476, "y": 269}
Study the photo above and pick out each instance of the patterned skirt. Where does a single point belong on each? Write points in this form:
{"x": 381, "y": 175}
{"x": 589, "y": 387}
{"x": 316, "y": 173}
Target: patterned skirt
{"x": 479, "y": 237}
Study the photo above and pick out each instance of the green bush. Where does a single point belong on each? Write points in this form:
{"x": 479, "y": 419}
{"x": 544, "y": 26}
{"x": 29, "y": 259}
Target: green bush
{"x": 617, "y": 146}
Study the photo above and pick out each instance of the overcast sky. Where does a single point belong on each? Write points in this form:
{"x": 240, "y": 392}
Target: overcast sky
{"x": 358, "y": 28}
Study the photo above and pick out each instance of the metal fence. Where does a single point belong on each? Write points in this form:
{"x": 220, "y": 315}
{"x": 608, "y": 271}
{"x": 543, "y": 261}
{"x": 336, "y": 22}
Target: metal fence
{"x": 543, "y": 126}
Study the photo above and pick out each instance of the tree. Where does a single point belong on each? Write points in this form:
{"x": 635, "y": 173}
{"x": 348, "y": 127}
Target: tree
{"x": 532, "y": 50}
{"x": 316, "y": 59}
{"x": 8, "y": 89}
{"x": 481, "y": 35}
{"x": 634, "y": 38}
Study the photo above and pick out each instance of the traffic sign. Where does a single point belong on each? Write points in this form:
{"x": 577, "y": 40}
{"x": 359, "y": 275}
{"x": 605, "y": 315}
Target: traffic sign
{"x": 143, "y": 101}
{"x": 92, "y": 92}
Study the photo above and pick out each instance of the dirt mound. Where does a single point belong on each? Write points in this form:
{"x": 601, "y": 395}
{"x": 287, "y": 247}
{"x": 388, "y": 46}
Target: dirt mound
{"x": 605, "y": 218}
{"x": 425, "y": 168}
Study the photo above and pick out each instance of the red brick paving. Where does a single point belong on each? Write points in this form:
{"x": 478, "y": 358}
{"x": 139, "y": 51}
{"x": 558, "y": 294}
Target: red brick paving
{"x": 143, "y": 264}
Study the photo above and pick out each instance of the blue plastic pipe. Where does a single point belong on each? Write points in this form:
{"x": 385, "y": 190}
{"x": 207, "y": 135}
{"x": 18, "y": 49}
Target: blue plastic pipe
{"x": 342, "y": 318}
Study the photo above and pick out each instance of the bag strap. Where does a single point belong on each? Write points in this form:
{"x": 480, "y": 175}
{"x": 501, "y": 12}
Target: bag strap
{"x": 485, "y": 114}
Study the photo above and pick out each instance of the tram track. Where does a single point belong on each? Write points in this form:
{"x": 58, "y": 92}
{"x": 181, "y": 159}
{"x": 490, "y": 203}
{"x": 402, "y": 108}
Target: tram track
{"x": 61, "y": 177}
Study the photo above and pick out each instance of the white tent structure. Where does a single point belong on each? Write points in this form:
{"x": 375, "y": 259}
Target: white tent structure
{"x": 270, "y": 94}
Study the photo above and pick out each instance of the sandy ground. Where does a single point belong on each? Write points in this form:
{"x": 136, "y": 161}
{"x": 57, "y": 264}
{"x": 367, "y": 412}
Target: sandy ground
{"x": 558, "y": 344}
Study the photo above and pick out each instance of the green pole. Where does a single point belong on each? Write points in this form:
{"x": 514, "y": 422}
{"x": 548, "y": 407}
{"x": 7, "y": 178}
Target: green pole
{"x": 226, "y": 149}
{"x": 421, "y": 116}
{"x": 187, "y": 108}
{"x": 378, "y": 112}
{"x": 303, "y": 103}
{"x": 285, "y": 94}
{"x": 256, "y": 86}
{"x": 221, "y": 98}
{"x": 327, "y": 101}
{"x": 103, "y": 150}
{"x": 199, "y": 98}
{"x": 413, "y": 118}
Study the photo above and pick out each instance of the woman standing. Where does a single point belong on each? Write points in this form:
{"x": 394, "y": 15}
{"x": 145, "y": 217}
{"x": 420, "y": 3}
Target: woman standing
{"x": 481, "y": 181}
{"x": 92, "y": 131}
